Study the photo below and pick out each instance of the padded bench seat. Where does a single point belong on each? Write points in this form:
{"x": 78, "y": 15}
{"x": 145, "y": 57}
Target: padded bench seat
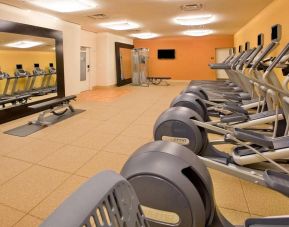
{"x": 156, "y": 80}
{"x": 52, "y": 103}
{"x": 14, "y": 99}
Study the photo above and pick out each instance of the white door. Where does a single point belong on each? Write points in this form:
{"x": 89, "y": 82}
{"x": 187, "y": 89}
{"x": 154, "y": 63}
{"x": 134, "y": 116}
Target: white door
{"x": 84, "y": 69}
{"x": 221, "y": 55}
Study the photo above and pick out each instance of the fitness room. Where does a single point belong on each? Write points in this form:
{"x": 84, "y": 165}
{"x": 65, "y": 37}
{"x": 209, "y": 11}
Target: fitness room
{"x": 144, "y": 113}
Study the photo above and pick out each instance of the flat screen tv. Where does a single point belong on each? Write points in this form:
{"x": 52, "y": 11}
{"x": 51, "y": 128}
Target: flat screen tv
{"x": 167, "y": 54}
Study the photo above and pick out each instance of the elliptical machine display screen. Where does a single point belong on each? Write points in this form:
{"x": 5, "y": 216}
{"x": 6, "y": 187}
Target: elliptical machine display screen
{"x": 276, "y": 33}
{"x": 247, "y": 45}
{"x": 240, "y": 48}
{"x": 260, "y": 40}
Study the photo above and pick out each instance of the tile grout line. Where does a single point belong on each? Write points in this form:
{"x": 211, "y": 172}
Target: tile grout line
{"x": 247, "y": 204}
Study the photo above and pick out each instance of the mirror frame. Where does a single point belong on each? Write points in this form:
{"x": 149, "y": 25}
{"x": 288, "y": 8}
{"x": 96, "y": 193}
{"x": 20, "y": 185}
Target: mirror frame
{"x": 118, "y": 45}
{"x": 16, "y": 112}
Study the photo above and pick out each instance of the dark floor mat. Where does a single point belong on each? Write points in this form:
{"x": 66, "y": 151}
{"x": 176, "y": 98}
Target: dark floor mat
{"x": 26, "y": 130}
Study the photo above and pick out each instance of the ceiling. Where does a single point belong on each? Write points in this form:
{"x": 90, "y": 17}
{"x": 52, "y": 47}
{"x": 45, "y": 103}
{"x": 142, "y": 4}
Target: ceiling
{"x": 47, "y": 45}
{"x": 157, "y": 15}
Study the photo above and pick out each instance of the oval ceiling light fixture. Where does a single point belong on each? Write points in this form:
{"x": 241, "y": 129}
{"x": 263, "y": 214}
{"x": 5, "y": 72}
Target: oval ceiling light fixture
{"x": 198, "y": 32}
{"x": 24, "y": 44}
{"x": 120, "y": 25}
{"x": 145, "y": 35}
{"x": 64, "y": 6}
{"x": 194, "y": 20}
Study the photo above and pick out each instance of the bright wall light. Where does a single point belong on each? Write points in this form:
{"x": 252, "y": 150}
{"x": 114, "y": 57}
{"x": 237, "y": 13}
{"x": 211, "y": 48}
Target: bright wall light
{"x": 65, "y": 6}
{"x": 198, "y": 32}
{"x": 120, "y": 25}
{"x": 194, "y": 20}
{"x": 146, "y": 35}
{"x": 23, "y": 44}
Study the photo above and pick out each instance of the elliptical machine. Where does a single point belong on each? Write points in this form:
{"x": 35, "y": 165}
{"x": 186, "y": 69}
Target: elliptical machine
{"x": 164, "y": 178}
{"x": 169, "y": 178}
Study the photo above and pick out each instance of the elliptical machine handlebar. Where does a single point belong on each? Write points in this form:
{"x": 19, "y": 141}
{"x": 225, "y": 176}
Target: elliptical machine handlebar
{"x": 266, "y": 51}
{"x": 278, "y": 59}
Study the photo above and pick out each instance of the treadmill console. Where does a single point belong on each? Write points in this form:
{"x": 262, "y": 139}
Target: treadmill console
{"x": 37, "y": 70}
{"x": 3, "y": 75}
{"x": 20, "y": 72}
{"x": 51, "y": 69}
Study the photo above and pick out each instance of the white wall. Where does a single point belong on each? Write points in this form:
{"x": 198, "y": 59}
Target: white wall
{"x": 105, "y": 57}
{"x": 103, "y": 70}
{"x": 88, "y": 39}
{"x": 71, "y": 39}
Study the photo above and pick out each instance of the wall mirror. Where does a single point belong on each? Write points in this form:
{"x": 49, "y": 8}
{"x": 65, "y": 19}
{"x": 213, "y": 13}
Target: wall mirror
{"x": 123, "y": 56}
{"x": 31, "y": 68}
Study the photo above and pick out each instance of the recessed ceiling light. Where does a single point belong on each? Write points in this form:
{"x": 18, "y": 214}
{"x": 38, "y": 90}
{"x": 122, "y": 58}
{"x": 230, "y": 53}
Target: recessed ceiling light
{"x": 23, "y": 44}
{"x": 65, "y": 6}
{"x": 194, "y": 20}
{"x": 198, "y": 32}
{"x": 120, "y": 25}
{"x": 146, "y": 35}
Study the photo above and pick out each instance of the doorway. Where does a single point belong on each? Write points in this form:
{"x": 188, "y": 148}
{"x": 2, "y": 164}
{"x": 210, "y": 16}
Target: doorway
{"x": 84, "y": 82}
{"x": 221, "y": 55}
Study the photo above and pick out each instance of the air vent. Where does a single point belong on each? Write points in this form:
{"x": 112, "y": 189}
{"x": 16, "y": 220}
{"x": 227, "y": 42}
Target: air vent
{"x": 136, "y": 30}
{"x": 99, "y": 16}
{"x": 192, "y": 7}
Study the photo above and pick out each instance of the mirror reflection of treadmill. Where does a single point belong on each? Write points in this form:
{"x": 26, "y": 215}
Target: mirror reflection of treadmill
{"x": 52, "y": 71}
{"x": 37, "y": 72}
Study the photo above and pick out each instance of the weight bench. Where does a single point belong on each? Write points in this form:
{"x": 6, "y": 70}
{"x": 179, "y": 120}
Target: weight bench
{"x": 14, "y": 100}
{"x": 156, "y": 80}
{"x": 52, "y": 106}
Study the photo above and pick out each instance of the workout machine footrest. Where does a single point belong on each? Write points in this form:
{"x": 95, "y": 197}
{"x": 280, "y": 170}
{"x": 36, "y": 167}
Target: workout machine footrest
{"x": 277, "y": 181}
{"x": 234, "y": 107}
{"x": 244, "y": 151}
{"x": 253, "y": 137}
{"x": 232, "y": 118}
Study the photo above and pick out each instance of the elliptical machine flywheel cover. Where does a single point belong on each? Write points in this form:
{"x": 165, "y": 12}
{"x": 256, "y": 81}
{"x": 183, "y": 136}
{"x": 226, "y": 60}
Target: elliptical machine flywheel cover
{"x": 193, "y": 102}
{"x": 168, "y": 177}
{"x": 176, "y": 125}
{"x": 197, "y": 91}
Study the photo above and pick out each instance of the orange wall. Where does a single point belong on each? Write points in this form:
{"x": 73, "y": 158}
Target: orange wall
{"x": 274, "y": 13}
{"x": 193, "y": 54}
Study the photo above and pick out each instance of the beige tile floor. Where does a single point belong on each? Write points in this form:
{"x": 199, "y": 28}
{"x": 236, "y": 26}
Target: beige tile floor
{"x": 39, "y": 171}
